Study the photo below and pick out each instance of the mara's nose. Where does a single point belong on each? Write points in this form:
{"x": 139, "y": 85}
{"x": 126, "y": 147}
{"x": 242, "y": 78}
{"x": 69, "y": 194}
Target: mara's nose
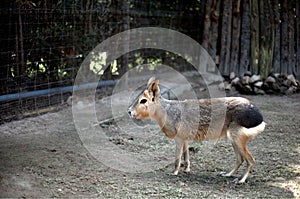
{"x": 131, "y": 113}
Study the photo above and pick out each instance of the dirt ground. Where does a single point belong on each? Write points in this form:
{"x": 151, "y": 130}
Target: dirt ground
{"x": 43, "y": 156}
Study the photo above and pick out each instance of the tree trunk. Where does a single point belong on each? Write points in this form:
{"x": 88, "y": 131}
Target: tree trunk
{"x": 207, "y": 25}
{"x": 226, "y": 38}
{"x": 266, "y": 38}
{"x": 271, "y": 42}
{"x": 297, "y": 24}
{"x": 245, "y": 38}
{"x": 215, "y": 13}
{"x": 126, "y": 26}
{"x": 291, "y": 37}
{"x": 88, "y": 17}
{"x": 277, "y": 38}
{"x": 284, "y": 62}
{"x": 235, "y": 42}
{"x": 7, "y": 45}
{"x": 21, "y": 40}
{"x": 254, "y": 37}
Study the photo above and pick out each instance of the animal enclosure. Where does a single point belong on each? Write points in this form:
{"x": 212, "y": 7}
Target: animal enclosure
{"x": 43, "y": 43}
{"x": 42, "y": 46}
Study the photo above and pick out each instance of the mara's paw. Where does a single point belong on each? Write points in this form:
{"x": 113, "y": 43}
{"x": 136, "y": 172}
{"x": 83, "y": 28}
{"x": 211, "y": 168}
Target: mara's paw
{"x": 224, "y": 174}
{"x": 175, "y": 173}
{"x": 238, "y": 181}
{"x": 187, "y": 170}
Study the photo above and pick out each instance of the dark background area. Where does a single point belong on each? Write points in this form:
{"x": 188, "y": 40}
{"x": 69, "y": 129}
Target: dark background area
{"x": 44, "y": 42}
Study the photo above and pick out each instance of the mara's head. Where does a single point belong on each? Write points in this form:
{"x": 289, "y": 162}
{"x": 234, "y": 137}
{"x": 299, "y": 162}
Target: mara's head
{"x": 144, "y": 105}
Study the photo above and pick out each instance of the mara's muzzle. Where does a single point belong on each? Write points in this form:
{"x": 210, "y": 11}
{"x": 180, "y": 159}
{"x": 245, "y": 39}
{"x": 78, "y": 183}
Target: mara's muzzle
{"x": 131, "y": 113}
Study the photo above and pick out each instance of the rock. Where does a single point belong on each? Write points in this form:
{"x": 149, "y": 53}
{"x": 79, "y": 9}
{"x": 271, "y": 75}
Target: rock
{"x": 287, "y": 83}
{"x": 248, "y": 89}
{"x": 254, "y": 78}
{"x": 292, "y": 80}
{"x": 276, "y": 87}
{"x": 270, "y": 79}
{"x": 283, "y": 89}
{"x": 259, "y": 91}
{"x": 276, "y": 75}
{"x": 232, "y": 76}
{"x": 281, "y": 76}
{"x": 235, "y": 81}
{"x": 279, "y": 83}
{"x": 224, "y": 86}
{"x": 228, "y": 87}
{"x": 248, "y": 73}
{"x": 233, "y": 89}
{"x": 245, "y": 80}
{"x": 258, "y": 84}
{"x": 291, "y": 90}
{"x": 245, "y": 89}
{"x": 221, "y": 86}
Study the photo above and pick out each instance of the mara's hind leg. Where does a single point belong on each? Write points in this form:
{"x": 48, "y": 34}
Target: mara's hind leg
{"x": 239, "y": 140}
{"x": 186, "y": 156}
{"x": 238, "y": 163}
{"x": 250, "y": 162}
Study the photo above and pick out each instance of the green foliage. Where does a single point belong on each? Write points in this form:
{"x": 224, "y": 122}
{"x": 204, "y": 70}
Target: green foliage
{"x": 57, "y": 35}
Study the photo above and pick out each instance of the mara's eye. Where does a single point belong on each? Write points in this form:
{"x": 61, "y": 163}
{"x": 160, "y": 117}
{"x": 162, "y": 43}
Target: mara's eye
{"x": 143, "y": 101}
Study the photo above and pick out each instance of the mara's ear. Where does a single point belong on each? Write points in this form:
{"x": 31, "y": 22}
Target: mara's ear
{"x": 153, "y": 89}
{"x": 150, "y": 81}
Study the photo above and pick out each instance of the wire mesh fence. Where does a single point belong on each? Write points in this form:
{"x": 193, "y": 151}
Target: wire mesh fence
{"x": 44, "y": 42}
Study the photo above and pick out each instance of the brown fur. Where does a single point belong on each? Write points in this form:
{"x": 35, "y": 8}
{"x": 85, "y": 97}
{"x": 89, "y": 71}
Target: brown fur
{"x": 205, "y": 119}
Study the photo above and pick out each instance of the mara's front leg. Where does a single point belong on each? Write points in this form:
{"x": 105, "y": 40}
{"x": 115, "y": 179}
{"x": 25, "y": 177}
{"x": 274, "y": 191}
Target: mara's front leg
{"x": 179, "y": 150}
{"x": 186, "y": 156}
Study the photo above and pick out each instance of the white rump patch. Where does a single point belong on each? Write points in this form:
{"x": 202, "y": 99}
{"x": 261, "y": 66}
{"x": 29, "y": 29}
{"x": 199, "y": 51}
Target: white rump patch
{"x": 251, "y": 132}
